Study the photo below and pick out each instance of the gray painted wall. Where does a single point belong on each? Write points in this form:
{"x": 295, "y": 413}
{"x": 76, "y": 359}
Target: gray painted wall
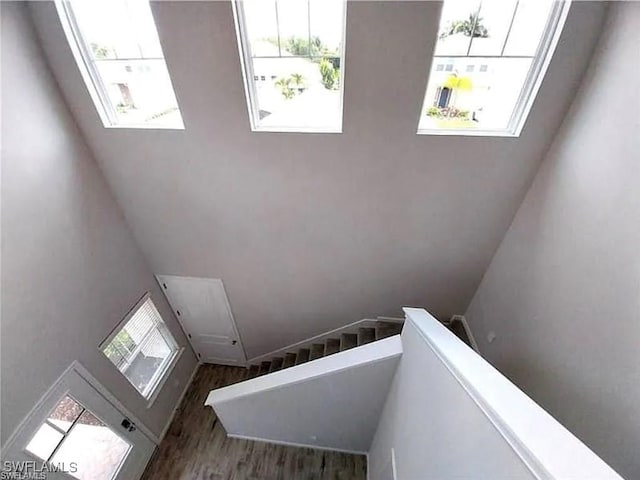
{"x": 332, "y": 403}
{"x": 436, "y": 429}
{"x": 311, "y": 232}
{"x": 70, "y": 266}
{"x": 563, "y": 291}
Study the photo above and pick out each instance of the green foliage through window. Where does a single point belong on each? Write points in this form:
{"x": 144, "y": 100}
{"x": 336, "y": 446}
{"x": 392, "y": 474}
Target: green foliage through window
{"x": 120, "y": 347}
{"x": 330, "y": 75}
{"x": 291, "y": 86}
{"x": 304, "y": 47}
{"x": 100, "y": 51}
{"x": 471, "y": 27}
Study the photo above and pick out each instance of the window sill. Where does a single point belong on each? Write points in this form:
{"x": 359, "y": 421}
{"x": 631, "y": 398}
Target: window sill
{"x": 470, "y": 133}
{"x": 295, "y": 130}
{"x": 164, "y": 377}
{"x": 134, "y": 126}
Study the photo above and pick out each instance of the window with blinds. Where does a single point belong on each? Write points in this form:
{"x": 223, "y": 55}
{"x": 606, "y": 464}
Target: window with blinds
{"x": 142, "y": 347}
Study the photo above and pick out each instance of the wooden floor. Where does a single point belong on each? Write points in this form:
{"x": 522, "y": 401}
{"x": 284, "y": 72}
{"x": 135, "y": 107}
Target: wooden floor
{"x": 196, "y": 445}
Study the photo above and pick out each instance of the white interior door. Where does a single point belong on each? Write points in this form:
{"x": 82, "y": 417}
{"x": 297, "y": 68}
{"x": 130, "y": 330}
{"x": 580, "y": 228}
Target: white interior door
{"x": 76, "y": 430}
{"x": 203, "y": 310}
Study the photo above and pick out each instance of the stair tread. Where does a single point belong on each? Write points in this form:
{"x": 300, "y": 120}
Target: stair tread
{"x": 347, "y": 341}
{"x": 366, "y": 335}
{"x": 276, "y": 364}
{"x": 387, "y": 329}
{"x": 317, "y": 351}
{"x": 289, "y": 360}
{"x": 332, "y": 345}
{"x": 303, "y": 356}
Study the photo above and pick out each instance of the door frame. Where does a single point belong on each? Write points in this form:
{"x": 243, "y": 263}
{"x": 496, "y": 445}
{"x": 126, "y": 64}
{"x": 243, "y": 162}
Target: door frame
{"x": 159, "y": 279}
{"x": 82, "y": 372}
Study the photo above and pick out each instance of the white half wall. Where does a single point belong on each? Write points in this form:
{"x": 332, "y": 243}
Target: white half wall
{"x": 562, "y": 293}
{"x": 434, "y": 426}
{"x": 451, "y": 415}
{"x": 333, "y": 402}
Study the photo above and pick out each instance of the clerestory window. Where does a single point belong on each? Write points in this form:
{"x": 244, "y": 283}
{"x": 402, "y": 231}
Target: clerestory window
{"x": 512, "y": 42}
{"x": 116, "y": 47}
{"x": 292, "y": 53}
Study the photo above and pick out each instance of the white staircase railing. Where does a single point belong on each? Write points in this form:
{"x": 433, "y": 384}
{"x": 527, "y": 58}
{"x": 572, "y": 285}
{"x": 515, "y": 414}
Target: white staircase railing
{"x": 432, "y": 399}
{"x": 321, "y": 338}
{"x": 421, "y": 405}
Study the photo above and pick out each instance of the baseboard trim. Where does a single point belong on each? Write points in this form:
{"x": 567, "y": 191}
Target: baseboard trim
{"x": 299, "y": 445}
{"x": 462, "y": 319}
{"x": 391, "y": 319}
{"x": 368, "y": 354}
{"x": 177, "y": 406}
{"x": 316, "y": 338}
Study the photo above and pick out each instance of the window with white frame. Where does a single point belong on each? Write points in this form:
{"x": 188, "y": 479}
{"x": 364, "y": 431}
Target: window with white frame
{"x": 142, "y": 347}
{"x": 496, "y": 53}
{"x": 116, "y": 47}
{"x": 292, "y": 52}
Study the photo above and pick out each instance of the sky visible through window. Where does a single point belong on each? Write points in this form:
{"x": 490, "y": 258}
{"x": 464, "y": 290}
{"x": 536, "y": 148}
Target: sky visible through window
{"x": 294, "y": 63}
{"x": 122, "y": 52}
{"x": 483, "y": 56}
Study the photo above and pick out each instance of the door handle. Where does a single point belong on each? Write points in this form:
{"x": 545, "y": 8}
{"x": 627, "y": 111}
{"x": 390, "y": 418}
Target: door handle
{"x": 128, "y": 425}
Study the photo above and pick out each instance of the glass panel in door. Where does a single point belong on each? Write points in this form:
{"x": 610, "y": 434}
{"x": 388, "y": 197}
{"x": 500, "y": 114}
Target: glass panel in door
{"x": 78, "y": 443}
{"x": 96, "y": 449}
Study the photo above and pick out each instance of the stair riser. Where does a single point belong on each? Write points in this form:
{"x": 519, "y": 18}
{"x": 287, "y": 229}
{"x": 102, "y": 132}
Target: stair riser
{"x": 350, "y": 329}
{"x": 366, "y": 332}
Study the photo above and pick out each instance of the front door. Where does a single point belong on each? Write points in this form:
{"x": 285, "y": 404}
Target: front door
{"x": 74, "y": 432}
{"x": 203, "y": 310}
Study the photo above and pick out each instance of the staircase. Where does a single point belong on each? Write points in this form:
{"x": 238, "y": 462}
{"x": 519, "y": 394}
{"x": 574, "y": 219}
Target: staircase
{"x": 354, "y": 335}
{"x": 369, "y": 394}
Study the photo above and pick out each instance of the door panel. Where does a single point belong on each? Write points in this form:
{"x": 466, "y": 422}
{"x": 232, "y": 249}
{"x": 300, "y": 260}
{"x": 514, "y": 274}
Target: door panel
{"x": 203, "y": 310}
{"x": 220, "y": 350}
{"x": 75, "y": 428}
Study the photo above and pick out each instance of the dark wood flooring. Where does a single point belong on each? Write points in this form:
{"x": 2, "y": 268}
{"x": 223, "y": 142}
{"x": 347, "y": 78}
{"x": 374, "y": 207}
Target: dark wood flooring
{"x": 196, "y": 446}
